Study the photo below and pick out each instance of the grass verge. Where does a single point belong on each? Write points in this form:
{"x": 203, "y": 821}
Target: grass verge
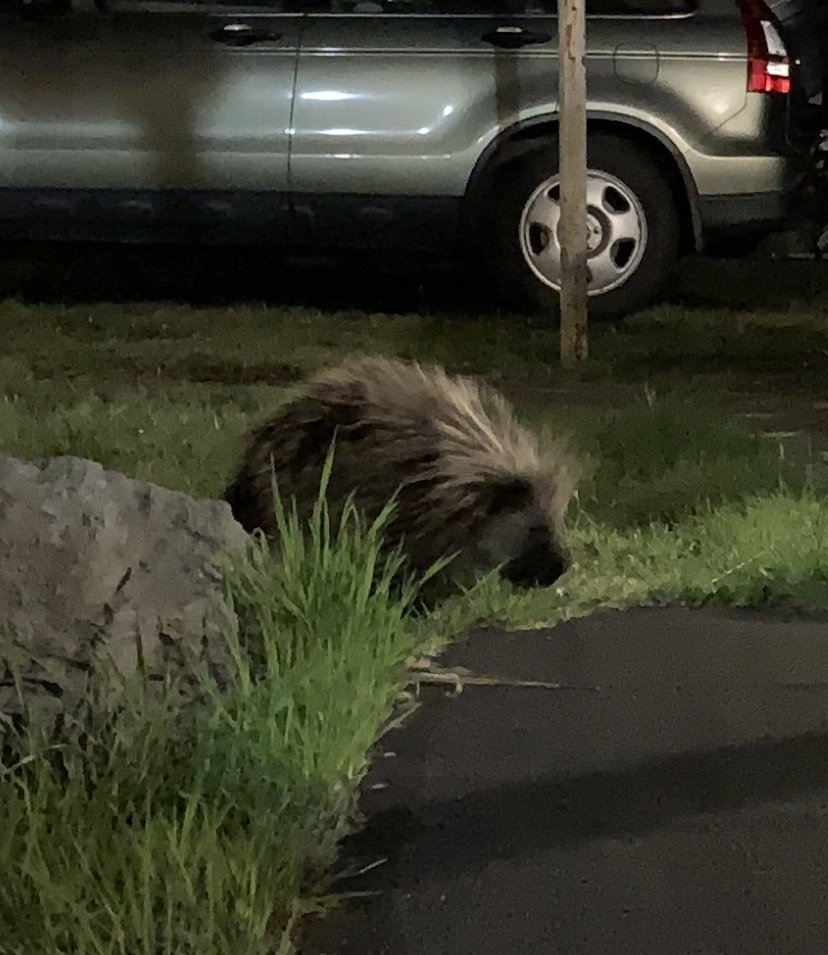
{"x": 736, "y": 320}
{"x": 212, "y": 833}
{"x": 144, "y": 830}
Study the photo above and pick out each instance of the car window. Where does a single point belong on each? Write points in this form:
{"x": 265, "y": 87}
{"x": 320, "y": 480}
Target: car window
{"x": 182, "y": 5}
{"x": 53, "y": 7}
{"x": 652, "y": 8}
{"x": 410, "y": 7}
{"x": 488, "y": 8}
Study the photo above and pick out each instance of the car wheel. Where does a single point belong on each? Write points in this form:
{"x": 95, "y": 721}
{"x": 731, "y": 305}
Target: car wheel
{"x": 632, "y": 223}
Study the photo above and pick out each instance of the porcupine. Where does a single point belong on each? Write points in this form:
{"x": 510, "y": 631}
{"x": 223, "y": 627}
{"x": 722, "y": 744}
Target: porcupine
{"x": 469, "y": 480}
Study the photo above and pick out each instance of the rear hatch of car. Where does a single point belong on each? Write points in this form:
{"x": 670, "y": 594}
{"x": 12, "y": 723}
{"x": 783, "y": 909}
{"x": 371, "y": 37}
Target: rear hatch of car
{"x": 728, "y": 28}
{"x": 773, "y": 72}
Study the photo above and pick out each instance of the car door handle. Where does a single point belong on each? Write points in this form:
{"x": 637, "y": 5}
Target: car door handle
{"x": 512, "y": 38}
{"x": 243, "y": 34}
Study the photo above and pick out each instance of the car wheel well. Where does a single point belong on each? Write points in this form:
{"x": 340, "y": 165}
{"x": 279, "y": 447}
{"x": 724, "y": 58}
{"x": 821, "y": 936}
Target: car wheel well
{"x": 516, "y": 143}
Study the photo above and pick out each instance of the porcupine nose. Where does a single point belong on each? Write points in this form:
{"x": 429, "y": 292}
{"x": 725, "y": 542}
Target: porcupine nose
{"x": 540, "y": 563}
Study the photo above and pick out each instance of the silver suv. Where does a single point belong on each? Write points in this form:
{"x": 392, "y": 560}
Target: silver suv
{"x": 407, "y": 125}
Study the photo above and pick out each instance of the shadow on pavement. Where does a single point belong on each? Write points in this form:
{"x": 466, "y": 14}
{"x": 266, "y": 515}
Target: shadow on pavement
{"x": 528, "y": 818}
{"x": 680, "y": 809}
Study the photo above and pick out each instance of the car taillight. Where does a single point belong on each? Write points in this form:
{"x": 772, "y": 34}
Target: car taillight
{"x": 769, "y": 69}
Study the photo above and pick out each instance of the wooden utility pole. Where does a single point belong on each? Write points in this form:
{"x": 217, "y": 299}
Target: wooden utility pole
{"x": 572, "y": 230}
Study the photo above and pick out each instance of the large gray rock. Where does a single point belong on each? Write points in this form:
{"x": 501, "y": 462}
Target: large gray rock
{"x": 91, "y": 560}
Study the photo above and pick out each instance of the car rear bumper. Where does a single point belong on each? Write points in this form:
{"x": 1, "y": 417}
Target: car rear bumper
{"x": 755, "y": 214}
{"x": 758, "y": 213}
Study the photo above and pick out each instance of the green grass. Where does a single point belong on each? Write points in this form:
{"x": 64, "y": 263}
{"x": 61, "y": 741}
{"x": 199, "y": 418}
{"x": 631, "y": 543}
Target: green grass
{"x": 663, "y": 459}
{"x": 752, "y": 319}
{"x": 200, "y": 830}
{"x": 213, "y": 832}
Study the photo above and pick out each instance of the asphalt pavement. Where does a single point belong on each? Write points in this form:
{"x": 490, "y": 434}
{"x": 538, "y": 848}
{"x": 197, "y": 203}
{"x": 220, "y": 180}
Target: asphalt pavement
{"x": 681, "y": 807}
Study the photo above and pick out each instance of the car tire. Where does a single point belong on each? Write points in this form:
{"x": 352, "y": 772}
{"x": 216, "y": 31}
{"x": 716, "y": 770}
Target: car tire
{"x": 634, "y": 228}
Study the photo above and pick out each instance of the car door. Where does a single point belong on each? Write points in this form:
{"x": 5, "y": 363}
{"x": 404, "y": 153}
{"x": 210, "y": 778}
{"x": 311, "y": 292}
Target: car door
{"x": 146, "y": 120}
{"x": 395, "y": 102}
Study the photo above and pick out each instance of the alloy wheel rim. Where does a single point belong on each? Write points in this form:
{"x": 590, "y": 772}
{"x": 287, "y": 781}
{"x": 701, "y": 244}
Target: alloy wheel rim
{"x": 616, "y": 232}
